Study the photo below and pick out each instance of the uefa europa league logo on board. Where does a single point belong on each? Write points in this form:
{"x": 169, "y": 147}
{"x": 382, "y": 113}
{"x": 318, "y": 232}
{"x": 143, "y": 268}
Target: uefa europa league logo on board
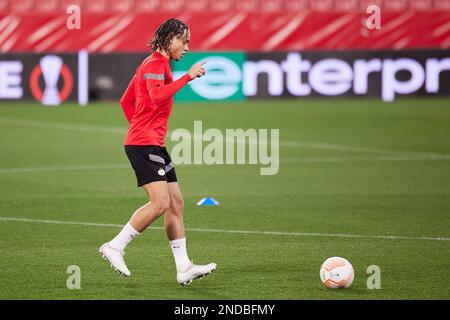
{"x": 51, "y": 68}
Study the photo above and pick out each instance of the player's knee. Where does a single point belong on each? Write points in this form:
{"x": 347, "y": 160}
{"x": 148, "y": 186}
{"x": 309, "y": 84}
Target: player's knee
{"x": 177, "y": 205}
{"x": 164, "y": 204}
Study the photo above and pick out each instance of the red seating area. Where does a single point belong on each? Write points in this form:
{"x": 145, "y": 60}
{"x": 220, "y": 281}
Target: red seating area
{"x": 90, "y": 6}
{"x": 224, "y": 25}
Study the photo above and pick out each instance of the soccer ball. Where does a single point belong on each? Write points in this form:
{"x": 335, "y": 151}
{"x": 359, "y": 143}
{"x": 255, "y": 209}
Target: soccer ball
{"x": 336, "y": 272}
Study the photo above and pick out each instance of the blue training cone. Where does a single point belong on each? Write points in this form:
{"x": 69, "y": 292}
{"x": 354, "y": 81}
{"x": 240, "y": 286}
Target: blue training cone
{"x": 208, "y": 202}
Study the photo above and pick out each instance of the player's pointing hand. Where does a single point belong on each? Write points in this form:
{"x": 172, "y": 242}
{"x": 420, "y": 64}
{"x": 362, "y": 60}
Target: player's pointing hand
{"x": 197, "y": 70}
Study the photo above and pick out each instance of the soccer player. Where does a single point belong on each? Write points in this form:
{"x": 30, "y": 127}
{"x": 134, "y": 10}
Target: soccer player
{"x": 147, "y": 104}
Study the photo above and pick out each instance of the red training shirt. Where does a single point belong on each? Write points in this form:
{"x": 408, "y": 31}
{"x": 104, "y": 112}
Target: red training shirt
{"x": 147, "y": 102}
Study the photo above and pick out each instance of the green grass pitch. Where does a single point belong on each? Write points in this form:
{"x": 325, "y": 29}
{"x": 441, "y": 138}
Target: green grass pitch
{"x": 348, "y": 167}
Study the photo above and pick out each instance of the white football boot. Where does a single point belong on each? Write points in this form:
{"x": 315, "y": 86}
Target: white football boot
{"x": 195, "y": 272}
{"x": 115, "y": 258}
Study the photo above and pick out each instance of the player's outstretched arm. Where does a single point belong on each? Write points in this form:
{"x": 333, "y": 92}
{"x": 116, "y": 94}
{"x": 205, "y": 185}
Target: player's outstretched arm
{"x": 158, "y": 91}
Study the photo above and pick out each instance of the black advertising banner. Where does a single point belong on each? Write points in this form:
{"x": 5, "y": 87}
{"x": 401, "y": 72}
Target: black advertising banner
{"x": 386, "y": 75}
{"x": 47, "y": 78}
{"x": 53, "y": 78}
{"x": 110, "y": 74}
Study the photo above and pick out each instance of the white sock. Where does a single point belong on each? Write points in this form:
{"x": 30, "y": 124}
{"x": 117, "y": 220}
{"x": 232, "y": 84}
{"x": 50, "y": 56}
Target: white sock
{"x": 124, "y": 237}
{"x": 180, "y": 254}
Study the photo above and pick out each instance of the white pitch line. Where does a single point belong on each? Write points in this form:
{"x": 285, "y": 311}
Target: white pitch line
{"x": 65, "y": 168}
{"x": 288, "y": 160}
{"x": 63, "y": 126}
{"x": 277, "y": 233}
{"x": 359, "y": 159}
{"x": 339, "y": 147}
{"x": 283, "y": 143}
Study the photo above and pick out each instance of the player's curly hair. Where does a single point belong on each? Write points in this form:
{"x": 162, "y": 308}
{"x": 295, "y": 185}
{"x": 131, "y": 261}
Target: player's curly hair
{"x": 165, "y": 32}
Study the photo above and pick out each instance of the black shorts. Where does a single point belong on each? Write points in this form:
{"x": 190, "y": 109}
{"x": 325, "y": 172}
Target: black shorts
{"x": 150, "y": 164}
